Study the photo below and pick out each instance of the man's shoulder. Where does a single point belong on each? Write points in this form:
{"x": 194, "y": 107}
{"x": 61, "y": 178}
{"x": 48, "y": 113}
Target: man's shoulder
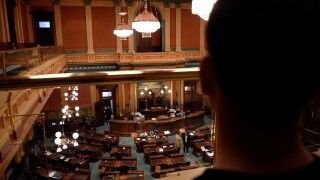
{"x": 312, "y": 170}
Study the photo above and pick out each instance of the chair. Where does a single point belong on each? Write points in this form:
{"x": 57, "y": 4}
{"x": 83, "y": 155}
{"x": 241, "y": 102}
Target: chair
{"x": 118, "y": 156}
{"x": 197, "y": 164}
{"x": 124, "y": 169}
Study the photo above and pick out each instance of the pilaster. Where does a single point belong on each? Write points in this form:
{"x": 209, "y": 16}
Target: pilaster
{"x": 58, "y": 27}
{"x": 93, "y": 96}
{"x": 167, "y": 29}
{"x": 30, "y": 25}
{"x": 202, "y": 35}
{"x": 130, "y": 38}
{"x": 118, "y": 21}
{"x": 178, "y": 29}
{"x": 89, "y": 30}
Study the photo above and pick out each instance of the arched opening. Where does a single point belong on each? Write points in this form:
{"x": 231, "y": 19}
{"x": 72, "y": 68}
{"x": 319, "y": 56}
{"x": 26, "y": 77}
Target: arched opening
{"x": 153, "y": 43}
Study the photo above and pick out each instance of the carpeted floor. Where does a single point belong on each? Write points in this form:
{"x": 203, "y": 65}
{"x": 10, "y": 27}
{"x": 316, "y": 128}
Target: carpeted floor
{"x": 140, "y": 164}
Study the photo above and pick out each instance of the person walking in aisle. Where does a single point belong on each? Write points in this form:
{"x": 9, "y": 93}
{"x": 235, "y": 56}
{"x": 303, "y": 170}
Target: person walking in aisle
{"x": 179, "y": 142}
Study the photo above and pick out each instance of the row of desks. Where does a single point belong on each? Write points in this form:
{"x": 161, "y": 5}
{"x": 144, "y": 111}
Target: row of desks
{"x": 52, "y": 174}
{"x": 113, "y": 164}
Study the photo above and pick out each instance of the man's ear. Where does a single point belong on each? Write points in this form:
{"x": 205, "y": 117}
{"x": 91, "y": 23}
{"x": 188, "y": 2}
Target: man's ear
{"x": 206, "y": 76}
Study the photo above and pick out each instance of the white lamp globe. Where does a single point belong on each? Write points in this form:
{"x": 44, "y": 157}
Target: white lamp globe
{"x": 58, "y": 134}
{"x": 75, "y": 135}
{"x": 76, "y": 144}
{"x": 64, "y": 110}
{"x": 77, "y": 108}
{"x": 57, "y": 141}
{"x": 59, "y": 149}
{"x": 64, "y": 147}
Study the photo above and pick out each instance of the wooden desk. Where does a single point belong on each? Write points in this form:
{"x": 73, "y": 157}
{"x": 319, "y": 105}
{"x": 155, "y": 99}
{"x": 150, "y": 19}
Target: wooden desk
{"x": 126, "y": 127}
{"x": 208, "y": 157}
{"x": 197, "y": 147}
{"x": 76, "y": 176}
{"x": 53, "y": 175}
{"x": 179, "y": 159}
{"x": 124, "y": 151}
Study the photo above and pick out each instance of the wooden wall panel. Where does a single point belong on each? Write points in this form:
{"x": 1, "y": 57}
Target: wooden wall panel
{"x": 190, "y": 29}
{"x": 74, "y": 33}
{"x": 84, "y": 96}
{"x": 54, "y": 101}
{"x": 47, "y": 8}
{"x": 103, "y": 24}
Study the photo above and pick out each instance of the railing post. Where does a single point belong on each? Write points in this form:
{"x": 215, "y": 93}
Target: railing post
{"x": 26, "y": 58}
{"x": 4, "y": 65}
{"x": 39, "y": 55}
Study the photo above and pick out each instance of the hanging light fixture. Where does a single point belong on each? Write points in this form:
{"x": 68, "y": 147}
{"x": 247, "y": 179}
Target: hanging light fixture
{"x": 202, "y": 8}
{"x": 63, "y": 141}
{"x": 146, "y": 23}
{"x": 123, "y": 30}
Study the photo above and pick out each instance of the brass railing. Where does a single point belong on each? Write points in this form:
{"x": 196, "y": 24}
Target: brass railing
{"x": 107, "y": 77}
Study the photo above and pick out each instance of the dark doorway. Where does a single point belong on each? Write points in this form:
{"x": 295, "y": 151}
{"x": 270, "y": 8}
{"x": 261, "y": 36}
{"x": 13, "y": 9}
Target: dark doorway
{"x": 107, "y": 99}
{"x": 147, "y": 43}
{"x": 43, "y": 26}
{"x": 193, "y": 101}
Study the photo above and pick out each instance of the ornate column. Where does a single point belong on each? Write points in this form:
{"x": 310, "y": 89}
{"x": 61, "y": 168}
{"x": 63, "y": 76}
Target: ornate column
{"x": 130, "y": 38}
{"x": 58, "y": 27}
{"x": 3, "y": 12}
{"x": 30, "y": 25}
{"x": 18, "y": 23}
{"x": 178, "y": 29}
{"x": 118, "y": 21}
{"x": 167, "y": 29}
{"x": 202, "y": 35}
{"x": 89, "y": 29}
{"x": 5, "y": 21}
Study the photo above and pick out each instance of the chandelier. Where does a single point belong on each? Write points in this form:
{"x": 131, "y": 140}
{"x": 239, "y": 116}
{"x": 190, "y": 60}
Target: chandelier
{"x": 146, "y": 23}
{"x": 165, "y": 90}
{"x": 70, "y": 95}
{"x": 63, "y": 141}
{"x": 202, "y": 8}
{"x": 123, "y": 30}
{"x": 67, "y": 112}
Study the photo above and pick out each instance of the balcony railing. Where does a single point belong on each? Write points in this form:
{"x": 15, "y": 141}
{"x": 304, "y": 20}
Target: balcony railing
{"x": 13, "y": 62}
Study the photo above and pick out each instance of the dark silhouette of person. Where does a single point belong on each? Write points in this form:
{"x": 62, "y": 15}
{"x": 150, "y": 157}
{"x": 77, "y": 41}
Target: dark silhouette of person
{"x": 186, "y": 142}
{"x": 108, "y": 114}
{"x": 83, "y": 122}
{"x": 259, "y": 74}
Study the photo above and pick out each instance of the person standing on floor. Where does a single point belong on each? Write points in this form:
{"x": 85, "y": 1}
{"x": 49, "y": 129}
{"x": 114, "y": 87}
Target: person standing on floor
{"x": 186, "y": 142}
{"x": 179, "y": 142}
{"x": 108, "y": 114}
